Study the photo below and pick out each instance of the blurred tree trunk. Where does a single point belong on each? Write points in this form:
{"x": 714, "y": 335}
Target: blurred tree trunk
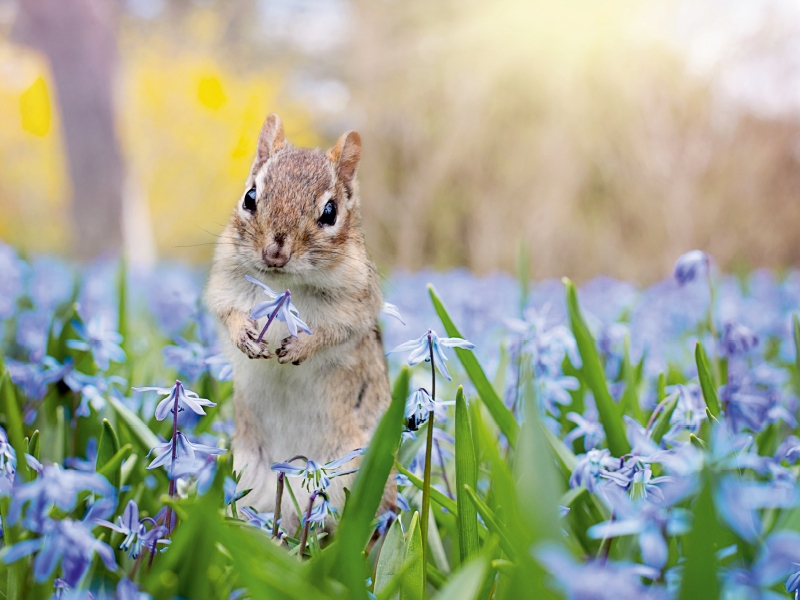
{"x": 79, "y": 39}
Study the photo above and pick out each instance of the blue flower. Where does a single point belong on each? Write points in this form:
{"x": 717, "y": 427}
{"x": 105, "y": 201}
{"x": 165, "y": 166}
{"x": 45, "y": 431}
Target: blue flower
{"x": 97, "y": 337}
{"x": 189, "y": 358}
{"x": 135, "y": 531}
{"x": 776, "y": 559}
{"x": 35, "y": 377}
{"x": 230, "y": 493}
{"x": 321, "y": 510}
{"x": 186, "y": 399}
{"x": 263, "y": 521}
{"x": 738, "y": 502}
{"x": 287, "y": 312}
{"x": 688, "y": 266}
{"x": 54, "y": 487}
{"x": 420, "y": 350}
{"x": 316, "y": 476}
{"x": 66, "y": 542}
{"x": 737, "y": 339}
{"x": 220, "y": 367}
{"x": 185, "y": 455}
{"x": 392, "y": 311}
{"x": 418, "y": 406}
{"x": 33, "y": 327}
{"x": 91, "y": 389}
{"x": 11, "y": 283}
{"x": 127, "y": 590}
{"x": 591, "y": 431}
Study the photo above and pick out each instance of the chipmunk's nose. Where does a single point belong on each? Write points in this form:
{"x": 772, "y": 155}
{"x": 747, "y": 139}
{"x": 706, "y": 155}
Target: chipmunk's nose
{"x": 275, "y": 254}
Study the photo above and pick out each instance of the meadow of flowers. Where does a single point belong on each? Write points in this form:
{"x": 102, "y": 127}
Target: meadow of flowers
{"x": 547, "y": 442}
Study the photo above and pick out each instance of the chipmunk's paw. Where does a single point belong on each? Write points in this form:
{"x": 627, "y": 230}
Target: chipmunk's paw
{"x": 246, "y": 341}
{"x": 293, "y": 350}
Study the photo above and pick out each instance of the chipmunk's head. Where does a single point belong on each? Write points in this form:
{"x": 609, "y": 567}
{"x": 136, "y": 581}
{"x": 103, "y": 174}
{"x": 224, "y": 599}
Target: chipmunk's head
{"x": 299, "y": 211}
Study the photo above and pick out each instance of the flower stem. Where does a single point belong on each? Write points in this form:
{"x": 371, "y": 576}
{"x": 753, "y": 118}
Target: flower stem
{"x": 304, "y": 536}
{"x": 278, "y": 497}
{"x": 286, "y": 296}
{"x": 178, "y": 387}
{"x": 426, "y": 484}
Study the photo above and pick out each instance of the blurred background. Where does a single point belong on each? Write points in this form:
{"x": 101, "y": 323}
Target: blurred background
{"x": 593, "y": 137}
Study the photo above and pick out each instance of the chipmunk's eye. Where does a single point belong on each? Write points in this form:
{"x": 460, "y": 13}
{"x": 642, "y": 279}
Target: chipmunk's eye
{"x": 250, "y": 200}
{"x": 328, "y": 217}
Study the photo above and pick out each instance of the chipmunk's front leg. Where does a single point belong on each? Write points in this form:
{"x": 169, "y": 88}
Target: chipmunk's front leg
{"x": 295, "y": 350}
{"x": 244, "y": 333}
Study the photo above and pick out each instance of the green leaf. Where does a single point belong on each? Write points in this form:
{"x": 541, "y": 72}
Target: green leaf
{"x": 796, "y": 335}
{"x": 437, "y": 496}
{"x": 112, "y": 469}
{"x": 122, "y": 294}
{"x": 466, "y": 584}
{"x": 502, "y": 416}
{"x": 594, "y": 375}
{"x": 538, "y": 483}
{"x": 414, "y": 582}
{"x": 391, "y": 558}
{"x": 565, "y": 456}
{"x": 355, "y": 526}
{"x": 493, "y": 523}
{"x": 34, "y": 444}
{"x": 466, "y": 475}
{"x": 706, "y": 380}
{"x": 16, "y": 433}
{"x": 108, "y": 445}
{"x": 139, "y": 429}
{"x": 700, "y": 572}
{"x": 662, "y": 421}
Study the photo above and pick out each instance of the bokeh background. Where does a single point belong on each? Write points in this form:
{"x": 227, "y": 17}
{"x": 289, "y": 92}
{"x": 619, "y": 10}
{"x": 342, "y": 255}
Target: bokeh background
{"x": 587, "y": 137}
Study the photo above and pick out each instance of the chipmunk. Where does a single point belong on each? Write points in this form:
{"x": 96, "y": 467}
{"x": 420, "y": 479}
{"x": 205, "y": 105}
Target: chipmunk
{"x": 298, "y": 227}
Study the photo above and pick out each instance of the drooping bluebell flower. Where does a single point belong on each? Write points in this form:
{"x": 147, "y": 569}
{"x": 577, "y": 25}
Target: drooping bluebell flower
{"x": 320, "y": 510}
{"x": 418, "y": 406}
{"x": 91, "y": 388}
{"x": 737, "y": 339}
{"x": 66, "y": 542}
{"x": 137, "y": 535}
{"x": 420, "y": 350}
{"x": 598, "y": 580}
{"x": 186, "y": 399}
{"x": 287, "y": 312}
{"x": 689, "y": 266}
{"x": 99, "y": 338}
{"x": 186, "y": 454}
{"x": 316, "y": 476}
{"x": 54, "y": 487}
{"x": 264, "y": 521}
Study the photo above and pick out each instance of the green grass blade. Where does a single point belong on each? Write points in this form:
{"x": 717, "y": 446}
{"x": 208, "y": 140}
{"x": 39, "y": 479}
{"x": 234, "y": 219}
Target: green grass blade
{"x": 16, "y": 433}
{"x": 796, "y": 336}
{"x": 662, "y": 421}
{"x": 706, "y": 380}
{"x": 108, "y": 445}
{"x": 493, "y": 523}
{"x": 466, "y": 475}
{"x": 503, "y": 417}
{"x": 414, "y": 582}
{"x": 437, "y": 496}
{"x": 700, "y": 572}
{"x": 391, "y": 558}
{"x": 593, "y": 373}
{"x": 112, "y": 469}
{"x": 34, "y": 444}
{"x": 139, "y": 429}
{"x": 466, "y": 584}
{"x": 355, "y": 526}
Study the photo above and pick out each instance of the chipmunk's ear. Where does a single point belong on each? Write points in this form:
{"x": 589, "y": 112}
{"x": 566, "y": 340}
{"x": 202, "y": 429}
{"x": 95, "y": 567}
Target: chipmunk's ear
{"x": 270, "y": 140}
{"x": 346, "y": 154}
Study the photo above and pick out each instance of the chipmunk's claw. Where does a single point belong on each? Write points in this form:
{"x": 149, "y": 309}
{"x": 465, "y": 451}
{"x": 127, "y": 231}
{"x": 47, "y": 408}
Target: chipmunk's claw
{"x": 291, "y": 351}
{"x": 247, "y": 342}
